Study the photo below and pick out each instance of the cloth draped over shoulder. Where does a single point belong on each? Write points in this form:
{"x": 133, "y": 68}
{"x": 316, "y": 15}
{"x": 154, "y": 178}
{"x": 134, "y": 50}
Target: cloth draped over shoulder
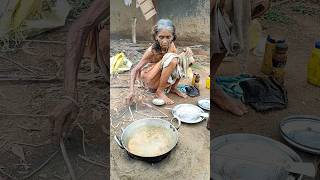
{"x": 181, "y": 69}
{"x": 230, "y": 26}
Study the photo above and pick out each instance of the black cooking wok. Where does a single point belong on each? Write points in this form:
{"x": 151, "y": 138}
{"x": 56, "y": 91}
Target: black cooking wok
{"x": 149, "y": 139}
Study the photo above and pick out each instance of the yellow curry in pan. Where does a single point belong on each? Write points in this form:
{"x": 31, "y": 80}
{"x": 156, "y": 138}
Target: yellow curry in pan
{"x": 150, "y": 141}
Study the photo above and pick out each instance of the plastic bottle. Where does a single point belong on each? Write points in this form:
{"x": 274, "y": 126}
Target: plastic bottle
{"x": 197, "y": 81}
{"x": 279, "y": 60}
{"x": 193, "y": 81}
{"x": 208, "y": 83}
{"x": 261, "y": 47}
{"x": 266, "y": 66}
{"x": 314, "y": 66}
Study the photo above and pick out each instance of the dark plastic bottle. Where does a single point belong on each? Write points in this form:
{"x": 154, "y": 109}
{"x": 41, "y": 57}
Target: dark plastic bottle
{"x": 279, "y": 61}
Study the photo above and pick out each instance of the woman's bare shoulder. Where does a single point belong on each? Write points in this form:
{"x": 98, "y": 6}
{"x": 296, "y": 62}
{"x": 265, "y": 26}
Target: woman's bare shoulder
{"x": 149, "y": 51}
{"x": 148, "y": 54}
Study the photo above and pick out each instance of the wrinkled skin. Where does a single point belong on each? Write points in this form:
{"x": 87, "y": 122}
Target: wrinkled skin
{"x": 164, "y": 38}
{"x": 66, "y": 112}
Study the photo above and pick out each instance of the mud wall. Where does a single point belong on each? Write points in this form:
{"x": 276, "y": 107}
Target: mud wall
{"x": 191, "y": 19}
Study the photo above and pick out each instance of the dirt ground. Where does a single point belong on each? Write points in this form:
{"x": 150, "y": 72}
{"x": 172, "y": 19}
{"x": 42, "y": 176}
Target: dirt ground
{"x": 24, "y": 140}
{"x": 25, "y": 148}
{"x": 304, "y": 99}
{"x": 190, "y": 158}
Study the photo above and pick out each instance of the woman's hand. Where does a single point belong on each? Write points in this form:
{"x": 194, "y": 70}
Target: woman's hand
{"x": 130, "y": 98}
{"x": 61, "y": 119}
{"x": 188, "y": 51}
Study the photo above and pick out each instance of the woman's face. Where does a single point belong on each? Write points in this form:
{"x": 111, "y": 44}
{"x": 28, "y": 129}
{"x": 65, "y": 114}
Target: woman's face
{"x": 164, "y": 37}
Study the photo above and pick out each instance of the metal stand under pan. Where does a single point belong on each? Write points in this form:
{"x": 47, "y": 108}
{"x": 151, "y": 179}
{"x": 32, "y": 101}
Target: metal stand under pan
{"x": 149, "y": 159}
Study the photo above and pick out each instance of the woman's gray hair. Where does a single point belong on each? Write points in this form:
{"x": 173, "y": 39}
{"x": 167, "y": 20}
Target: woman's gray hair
{"x": 164, "y": 24}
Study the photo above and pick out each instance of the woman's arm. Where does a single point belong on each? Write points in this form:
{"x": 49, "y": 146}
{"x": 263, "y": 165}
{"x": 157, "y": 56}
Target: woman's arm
{"x": 186, "y": 51}
{"x": 77, "y": 36}
{"x": 67, "y": 110}
{"x": 147, "y": 56}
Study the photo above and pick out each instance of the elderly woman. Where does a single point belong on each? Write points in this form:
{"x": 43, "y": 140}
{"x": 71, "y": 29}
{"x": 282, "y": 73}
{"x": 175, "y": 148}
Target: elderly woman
{"x": 161, "y": 68}
{"x": 230, "y": 20}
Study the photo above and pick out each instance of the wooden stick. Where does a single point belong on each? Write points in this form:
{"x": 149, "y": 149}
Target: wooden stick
{"x": 8, "y": 69}
{"x": 41, "y": 166}
{"x": 151, "y": 116}
{"x": 160, "y": 111}
{"x": 83, "y": 138}
{"x": 59, "y": 69}
{"x": 93, "y": 162}
{"x": 23, "y": 164}
{"x": 85, "y": 172}
{"x": 122, "y": 114}
{"x": 45, "y": 41}
{"x": 148, "y": 105}
{"x": 280, "y": 3}
{"x": 67, "y": 161}
{"x": 28, "y": 129}
{"x": 32, "y": 80}
{"x": 26, "y": 115}
{"x": 36, "y": 68}
{"x": 32, "y": 145}
{"x": 155, "y": 108}
{"x": 2, "y": 145}
{"x": 18, "y": 64}
{"x": 134, "y": 24}
{"x": 59, "y": 177}
{"x": 132, "y": 117}
{"x": 124, "y": 74}
{"x": 115, "y": 127}
{"x": 119, "y": 86}
{"x": 25, "y": 48}
{"x": 45, "y": 80}
{"x": 136, "y": 107}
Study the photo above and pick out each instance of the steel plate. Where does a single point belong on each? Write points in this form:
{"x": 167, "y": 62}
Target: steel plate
{"x": 302, "y": 132}
{"x": 248, "y": 157}
{"x": 204, "y": 104}
{"x": 188, "y": 113}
